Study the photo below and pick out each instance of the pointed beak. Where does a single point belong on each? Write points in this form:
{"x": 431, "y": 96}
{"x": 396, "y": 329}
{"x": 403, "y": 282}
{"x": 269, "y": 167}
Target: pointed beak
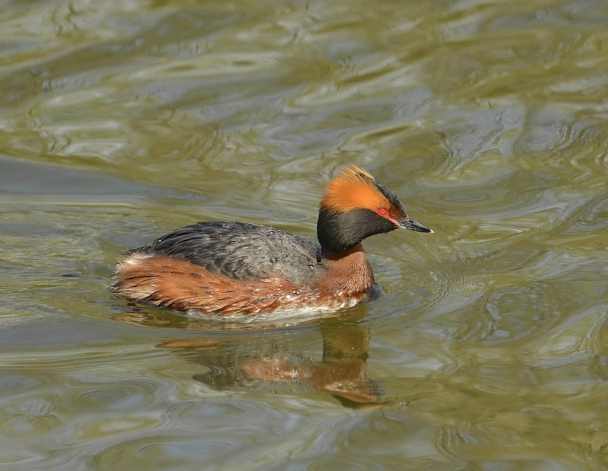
{"x": 407, "y": 223}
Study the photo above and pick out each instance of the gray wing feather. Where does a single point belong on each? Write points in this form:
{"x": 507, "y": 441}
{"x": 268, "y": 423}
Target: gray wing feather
{"x": 241, "y": 251}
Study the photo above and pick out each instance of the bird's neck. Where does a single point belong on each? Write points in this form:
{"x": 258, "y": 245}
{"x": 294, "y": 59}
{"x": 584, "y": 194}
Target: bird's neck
{"x": 347, "y": 271}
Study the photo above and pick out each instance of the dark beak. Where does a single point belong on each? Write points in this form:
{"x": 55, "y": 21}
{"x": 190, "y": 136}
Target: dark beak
{"x": 412, "y": 225}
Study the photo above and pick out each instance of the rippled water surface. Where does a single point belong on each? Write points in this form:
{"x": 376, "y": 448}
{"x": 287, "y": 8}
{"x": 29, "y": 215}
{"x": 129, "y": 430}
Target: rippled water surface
{"x": 121, "y": 120}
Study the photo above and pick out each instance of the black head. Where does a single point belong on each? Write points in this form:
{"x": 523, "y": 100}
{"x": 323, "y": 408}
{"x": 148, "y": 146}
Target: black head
{"x": 354, "y": 207}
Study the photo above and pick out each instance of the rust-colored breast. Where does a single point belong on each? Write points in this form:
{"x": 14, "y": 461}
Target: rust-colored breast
{"x": 183, "y": 286}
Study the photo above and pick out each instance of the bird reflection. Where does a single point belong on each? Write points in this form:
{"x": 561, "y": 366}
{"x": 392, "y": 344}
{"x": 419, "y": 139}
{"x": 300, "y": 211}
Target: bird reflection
{"x": 271, "y": 358}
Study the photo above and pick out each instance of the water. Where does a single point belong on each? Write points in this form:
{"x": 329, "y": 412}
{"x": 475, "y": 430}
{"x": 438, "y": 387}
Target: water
{"x": 123, "y": 120}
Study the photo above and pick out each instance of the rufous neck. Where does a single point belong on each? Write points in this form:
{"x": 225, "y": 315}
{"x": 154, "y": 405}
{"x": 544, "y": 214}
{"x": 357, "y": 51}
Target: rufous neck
{"x": 347, "y": 271}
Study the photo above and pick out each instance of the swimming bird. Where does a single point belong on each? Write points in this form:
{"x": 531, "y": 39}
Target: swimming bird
{"x": 232, "y": 268}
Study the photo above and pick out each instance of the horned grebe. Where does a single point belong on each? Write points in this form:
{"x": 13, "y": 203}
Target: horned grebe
{"x": 238, "y": 268}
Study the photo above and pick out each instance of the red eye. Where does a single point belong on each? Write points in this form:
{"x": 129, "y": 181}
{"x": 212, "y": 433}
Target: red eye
{"x": 382, "y": 212}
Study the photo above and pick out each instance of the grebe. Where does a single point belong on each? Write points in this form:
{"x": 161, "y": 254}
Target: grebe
{"x": 237, "y": 268}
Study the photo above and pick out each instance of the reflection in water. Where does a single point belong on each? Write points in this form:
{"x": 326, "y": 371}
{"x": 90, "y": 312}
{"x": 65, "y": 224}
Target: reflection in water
{"x": 122, "y": 118}
{"x": 265, "y": 356}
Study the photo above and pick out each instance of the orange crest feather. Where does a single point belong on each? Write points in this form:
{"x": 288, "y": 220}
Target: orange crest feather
{"x": 353, "y": 188}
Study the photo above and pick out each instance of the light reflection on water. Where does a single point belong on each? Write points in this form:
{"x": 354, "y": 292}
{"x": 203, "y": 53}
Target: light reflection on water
{"x": 123, "y": 120}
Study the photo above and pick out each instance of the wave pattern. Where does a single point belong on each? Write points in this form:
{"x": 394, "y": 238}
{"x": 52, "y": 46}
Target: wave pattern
{"x": 122, "y": 120}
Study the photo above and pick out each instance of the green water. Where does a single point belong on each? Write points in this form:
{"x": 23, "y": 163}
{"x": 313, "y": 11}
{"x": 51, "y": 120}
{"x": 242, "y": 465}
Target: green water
{"x": 121, "y": 120}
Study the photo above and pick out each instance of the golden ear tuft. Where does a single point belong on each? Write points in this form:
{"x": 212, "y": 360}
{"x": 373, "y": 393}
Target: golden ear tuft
{"x": 353, "y": 188}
